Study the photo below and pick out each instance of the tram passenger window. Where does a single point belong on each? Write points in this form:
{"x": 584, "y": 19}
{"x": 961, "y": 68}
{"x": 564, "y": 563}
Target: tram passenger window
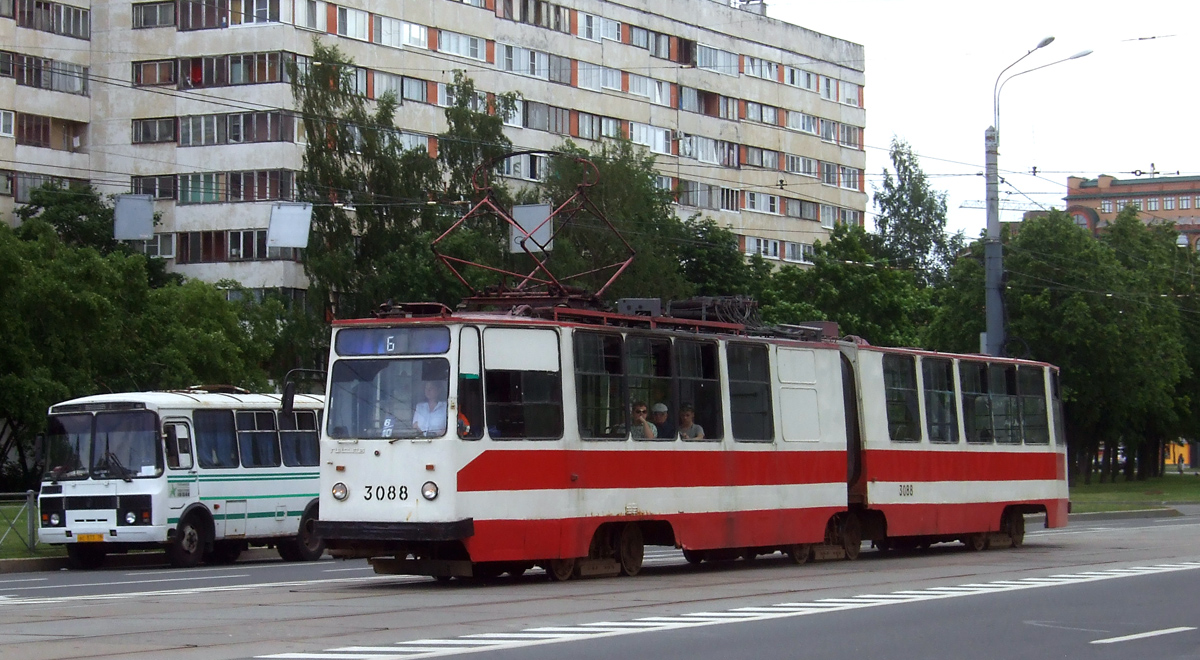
{"x": 648, "y": 368}
{"x": 216, "y": 439}
{"x": 750, "y": 392}
{"x": 469, "y": 419}
{"x": 977, "y": 410}
{"x": 600, "y": 386}
{"x": 1035, "y": 425}
{"x": 941, "y": 406}
{"x": 522, "y": 384}
{"x": 257, "y": 439}
{"x": 1060, "y": 434}
{"x": 900, "y": 394}
{"x": 698, "y": 383}
{"x": 1006, "y": 417}
{"x": 298, "y": 439}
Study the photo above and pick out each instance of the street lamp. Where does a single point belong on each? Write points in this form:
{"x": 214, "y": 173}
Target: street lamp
{"x": 993, "y": 251}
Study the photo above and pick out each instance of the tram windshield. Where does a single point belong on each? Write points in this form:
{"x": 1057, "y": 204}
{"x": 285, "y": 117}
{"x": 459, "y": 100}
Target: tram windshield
{"x": 389, "y": 398}
{"x": 120, "y": 445}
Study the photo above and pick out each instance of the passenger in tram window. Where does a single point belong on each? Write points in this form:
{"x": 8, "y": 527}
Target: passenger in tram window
{"x": 642, "y": 427}
{"x": 661, "y": 418}
{"x": 688, "y": 428}
{"x": 430, "y": 415}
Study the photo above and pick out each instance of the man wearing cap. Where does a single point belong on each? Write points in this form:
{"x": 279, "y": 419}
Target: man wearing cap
{"x": 659, "y": 414}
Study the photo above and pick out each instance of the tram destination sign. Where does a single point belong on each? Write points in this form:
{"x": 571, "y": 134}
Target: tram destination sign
{"x": 427, "y": 340}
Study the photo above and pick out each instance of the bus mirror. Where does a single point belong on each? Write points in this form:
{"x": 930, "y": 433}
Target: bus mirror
{"x": 39, "y": 448}
{"x": 289, "y": 397}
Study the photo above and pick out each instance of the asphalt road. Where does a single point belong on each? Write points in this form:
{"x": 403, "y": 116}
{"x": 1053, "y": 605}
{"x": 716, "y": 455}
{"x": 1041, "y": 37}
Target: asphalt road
{"x": 1106, "y": 589}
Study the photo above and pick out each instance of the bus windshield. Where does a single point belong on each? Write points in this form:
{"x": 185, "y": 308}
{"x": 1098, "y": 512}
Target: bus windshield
{"x": 389, "y": 398}
{"x": 120, "y": 445}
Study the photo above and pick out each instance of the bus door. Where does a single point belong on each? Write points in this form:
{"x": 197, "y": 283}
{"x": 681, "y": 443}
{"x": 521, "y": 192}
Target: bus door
{"x": 235, "y": 518}
{"x": 182, "y": 477}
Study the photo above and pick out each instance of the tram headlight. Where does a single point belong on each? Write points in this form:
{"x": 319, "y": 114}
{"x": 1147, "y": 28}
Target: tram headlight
{"x": 340, "y": 492}
{"x": 429, "y": 490}
{"x": 55, "y": 519}
{"x": 130, "y": 518}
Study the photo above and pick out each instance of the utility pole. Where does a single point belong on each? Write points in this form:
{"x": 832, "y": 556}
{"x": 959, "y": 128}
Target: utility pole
{"x": 993, "y": 250}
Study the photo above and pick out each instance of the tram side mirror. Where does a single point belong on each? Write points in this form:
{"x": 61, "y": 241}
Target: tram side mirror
{"x": 289, "y": 397}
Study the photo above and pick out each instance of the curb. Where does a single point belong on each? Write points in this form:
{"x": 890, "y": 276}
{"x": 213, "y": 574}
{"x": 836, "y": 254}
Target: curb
{"x": 133, "y": 560}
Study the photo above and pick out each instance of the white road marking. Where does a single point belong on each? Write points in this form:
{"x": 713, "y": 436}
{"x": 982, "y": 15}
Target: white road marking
{"x": 24, "y": 580}
{"x": 114, "y": 584}
{"x": 55, "y": 600}
{"x": 429, "y": 648}
{"x": 1152, "y": 633}
{"x": 343, "y": 570}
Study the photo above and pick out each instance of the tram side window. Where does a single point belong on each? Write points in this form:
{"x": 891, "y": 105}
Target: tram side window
{"x": 1035, "y": 425}
{"x": 298, "y": 439}
{"x": 698, "y": 382}
{"x": 1006, "y": 416}
{"x": 257, "y": 439}
{"x": 216, "y": 439}
{"x": 900, "y": 394}
{"x": 941, "y": 407}
{"x": 522, "y": 384}
{"x": 648, "y": 365}
{"x": 600, "y": 386}
{"x": 470, "y": 386}
{"x": 977, "y": 410}
{"x": 1060, "y": 433}
{"x": 750, "y": 392}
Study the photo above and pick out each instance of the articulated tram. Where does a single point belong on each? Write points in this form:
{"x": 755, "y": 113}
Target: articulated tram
{"x": 471, "y": 444}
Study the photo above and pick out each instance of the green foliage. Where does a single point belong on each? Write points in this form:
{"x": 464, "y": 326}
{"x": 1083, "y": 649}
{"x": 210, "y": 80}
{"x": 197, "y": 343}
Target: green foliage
{"x": 713, "y": 264}
{"x": 912, "y": 219}
{"x": 850, "y": 285}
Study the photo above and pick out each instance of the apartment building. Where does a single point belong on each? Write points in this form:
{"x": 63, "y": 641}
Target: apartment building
{"x": 755, "y": 122}
{"x": 1093, "y": 203}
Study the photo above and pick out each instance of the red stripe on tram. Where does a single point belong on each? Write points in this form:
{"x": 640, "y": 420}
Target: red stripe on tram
{"x": 922, "y": 466}
{"x": 499, "y": 470}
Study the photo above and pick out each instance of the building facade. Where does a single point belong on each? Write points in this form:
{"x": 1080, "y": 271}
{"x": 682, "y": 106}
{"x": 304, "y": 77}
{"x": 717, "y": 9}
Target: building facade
{"x": 1094, "y": 203}
{"x": 755, "y": 122}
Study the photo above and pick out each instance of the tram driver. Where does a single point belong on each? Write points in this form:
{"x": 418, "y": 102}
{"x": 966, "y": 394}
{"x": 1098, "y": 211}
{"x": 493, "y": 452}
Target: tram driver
{"x": 430, "y": 415}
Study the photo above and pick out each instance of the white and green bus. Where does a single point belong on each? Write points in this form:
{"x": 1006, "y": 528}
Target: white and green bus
{"x": 204, "y": 473}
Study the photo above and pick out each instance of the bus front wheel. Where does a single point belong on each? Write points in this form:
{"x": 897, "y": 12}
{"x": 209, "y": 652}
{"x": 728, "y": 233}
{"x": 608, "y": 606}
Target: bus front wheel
{"x": 186, "y": 549}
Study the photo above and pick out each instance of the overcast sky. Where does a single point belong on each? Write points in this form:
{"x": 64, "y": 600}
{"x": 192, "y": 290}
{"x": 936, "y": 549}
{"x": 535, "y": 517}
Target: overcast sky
{"x": 931, "y": 65}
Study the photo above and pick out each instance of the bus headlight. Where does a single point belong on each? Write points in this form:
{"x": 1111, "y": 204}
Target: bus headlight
{"x": 55, "y": 519}
{"x": 340, "y": 492}
{"x": 429, "y": 490}
{"x": 130, "y": 518}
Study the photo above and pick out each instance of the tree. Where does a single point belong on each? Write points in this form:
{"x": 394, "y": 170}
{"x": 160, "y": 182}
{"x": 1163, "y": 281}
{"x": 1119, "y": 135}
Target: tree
{"x": 912, "y": 219}
{"x": 865, "y": 295}
{"x": 714, "y": 265}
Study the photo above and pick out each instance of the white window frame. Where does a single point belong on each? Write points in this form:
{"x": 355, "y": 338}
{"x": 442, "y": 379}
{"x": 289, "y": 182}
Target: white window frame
{"x": 8, "y": 123}
{"x": 1185, "y": 202}
{"x": 715, "y": 59}
{"x": 589, "y": 27}
{"x": 849, "y": 177}
{"x": 1168, "y": 203}
{"x": 762, "y": 203}
{"x": 352, "y": 23}
{"x": 462, "y": 45}
{"x": 611, "y": 79}
{"x": 849, "y": 93}
{"x": 590, "y": 76}
{"x": 1106, "y": 205}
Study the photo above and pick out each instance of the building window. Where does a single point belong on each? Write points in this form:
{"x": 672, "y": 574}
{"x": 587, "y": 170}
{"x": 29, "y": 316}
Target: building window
{"x": 352, "y": 23}
{"x": 763, "y": 204}
{"x": 798, "y": 208}
{"x": 559, "y": 69}
{"x": 54, "y": 17}
{"x": 6, "y": 10}
{"x": 850, "y": 177}
{"x": 158, "y": 187}
{"x": 657, "y": 139}
{"x": 1106, "y": 206}
{"x": 591, "y": 76}
{"x": 713, "y": 59}
{"x": 798, "y": 121}
{"x": 201, "y": 130}
{"x": 1168, "y": 203}
{"x": 829, "y": 174}
{"x": 829, "y": 130}
{"x": 801, "y": 252}
{"x": 311, "y": 14}
{"x": 850, "y": 94}
{"x": 465, "y": 46}
{"x": 762, "y": 246}
{"x": 1080, "y": 220}
{"x": 730, "y": 200}
{"x": 49, "y": 74}
{"x": 247, "y": 244}
{"x": 147, "y": 131}
{"x": 7, "y": 121}
{"x": 49, "y": 132}
{"x": 829, "y": 215}
{"x": 850, "y": 217}
{"x": 699, "y": 195}
{"x": 245, "y": 12}
{"x": 611, "y": 79}
{"x": 760, "y": 68}
{"x": 154, "y": 14}
{"x": 203, "y": 14}
{"x": 589, "y": 27}
{"x": 828, "y": 88}
{"x": 761, "y": 113}
{"x": 415, "y": 90}
{"x": 1137, "y": 204}
{"x": 756, "y": 157}
{"x": 1152, "y": 204}
{"x": 800, "y": 78}
{"x": 158, "y": 72}
{"x": 802, "y": 165}
{"x": 849, "y": 136}
{"x": 1185, "y": 202}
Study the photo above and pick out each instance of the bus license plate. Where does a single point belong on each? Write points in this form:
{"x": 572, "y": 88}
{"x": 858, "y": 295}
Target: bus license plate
{"x": 90, "y": 538}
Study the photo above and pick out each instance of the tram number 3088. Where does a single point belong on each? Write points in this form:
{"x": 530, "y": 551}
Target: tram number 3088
{"x": 385, "y": 493}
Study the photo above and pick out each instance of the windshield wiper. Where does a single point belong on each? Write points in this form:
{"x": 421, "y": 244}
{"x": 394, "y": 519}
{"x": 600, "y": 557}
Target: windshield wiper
{"x": 111, "y": 459}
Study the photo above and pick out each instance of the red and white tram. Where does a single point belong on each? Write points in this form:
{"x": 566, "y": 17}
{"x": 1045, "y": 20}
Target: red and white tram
{"x": 471, "y": 444}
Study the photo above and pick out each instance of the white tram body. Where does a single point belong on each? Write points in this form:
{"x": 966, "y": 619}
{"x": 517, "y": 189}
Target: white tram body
{"x": 200, "y": 473}
{"x": 473, "y": 443}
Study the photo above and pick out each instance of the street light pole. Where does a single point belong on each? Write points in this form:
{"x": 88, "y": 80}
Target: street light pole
{"x": 993, "y": 250}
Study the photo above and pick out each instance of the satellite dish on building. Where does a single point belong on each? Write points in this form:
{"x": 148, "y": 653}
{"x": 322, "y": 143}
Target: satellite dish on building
{"x": 290, "y": 224}
{"x": 133, "y": 218}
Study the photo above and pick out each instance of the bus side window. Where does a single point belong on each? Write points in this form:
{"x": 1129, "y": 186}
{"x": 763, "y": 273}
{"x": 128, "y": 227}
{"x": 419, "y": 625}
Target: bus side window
{"x": 179, "y": 447}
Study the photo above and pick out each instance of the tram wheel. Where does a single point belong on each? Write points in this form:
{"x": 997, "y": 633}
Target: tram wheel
{"x": 693, "y": 556}
{"x": 801, "y": 553}
{"x": 631, "y": 549}
{"x": 561, "y": 570}
{"x": 851, "y": 536}
{"x": 977, "y": 542}
{"x": 1016, "y": 528}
